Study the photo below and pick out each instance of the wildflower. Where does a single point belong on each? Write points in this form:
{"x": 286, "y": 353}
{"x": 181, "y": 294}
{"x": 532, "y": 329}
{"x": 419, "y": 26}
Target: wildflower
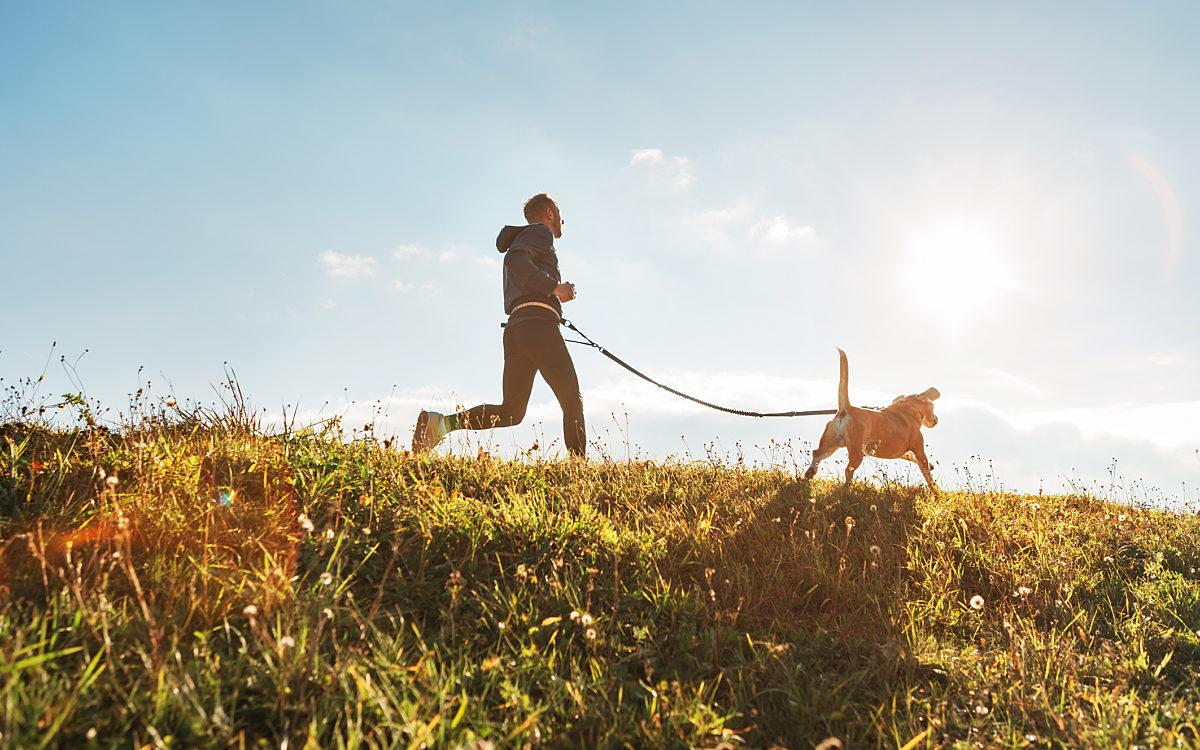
{"x": 170, "y": 403}
{"x": 455, "y": 581}
{"x": 250, "y": 610}
{"x": 585, "y": 619}
{"x": 287, "y": 642}
{"x": 1024, "y": 591}
{"x": 326, "y": 578}
{"x": 981, "y": 710}
{"x": 574, "y": 615}
{"x": 329, "y": 534}
{"x": 849, "y": 523}
{"x": 590, "y": 634}
{"x": 1108, "y": 558}
{"x": 977, "y": 602}
{"x": 91, "y": 733}
{"x": 875, "y": 550}
{"x": 1121, "y": 518}
{"x": 327, "y": 613}
{"x": 112, "y": 481}
{"x": 305, "y": 523}
{"x": 873, "y": 507}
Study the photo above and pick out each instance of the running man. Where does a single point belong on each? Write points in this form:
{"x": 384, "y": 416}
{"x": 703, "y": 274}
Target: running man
{"x": 533, "y": 297}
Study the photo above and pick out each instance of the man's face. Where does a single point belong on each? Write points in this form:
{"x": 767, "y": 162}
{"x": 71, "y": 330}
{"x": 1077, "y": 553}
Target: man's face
{"x": 554, "y": 220}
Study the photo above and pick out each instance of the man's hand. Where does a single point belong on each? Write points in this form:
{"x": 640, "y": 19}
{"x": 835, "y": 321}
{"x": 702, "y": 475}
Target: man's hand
{"x": 564, "y": 292}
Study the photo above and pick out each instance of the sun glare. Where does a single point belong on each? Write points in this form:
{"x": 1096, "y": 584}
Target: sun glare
{"x": 957, "y": 271}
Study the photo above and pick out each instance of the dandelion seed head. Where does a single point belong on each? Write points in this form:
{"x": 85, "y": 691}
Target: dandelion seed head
{"x": 590, "y": 634}
{"x": 585, "y": 619}
{"x": 574, "y": 615}
{"x": 250, "y": 610}
{"x": 977, "y": 602}
{"x": 326, "y": 578}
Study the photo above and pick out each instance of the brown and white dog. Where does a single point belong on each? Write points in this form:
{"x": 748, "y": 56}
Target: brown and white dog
{"x": 892, "y": 432}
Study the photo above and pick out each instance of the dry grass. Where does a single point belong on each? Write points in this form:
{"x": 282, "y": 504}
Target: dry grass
{"x": 190, "y": 581}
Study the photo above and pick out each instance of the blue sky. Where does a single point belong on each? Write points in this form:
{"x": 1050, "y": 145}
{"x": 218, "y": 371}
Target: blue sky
{"x": 996, "y": 199}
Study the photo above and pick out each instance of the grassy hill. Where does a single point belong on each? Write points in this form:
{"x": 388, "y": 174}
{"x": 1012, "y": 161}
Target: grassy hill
{"x": 197, "y": 583}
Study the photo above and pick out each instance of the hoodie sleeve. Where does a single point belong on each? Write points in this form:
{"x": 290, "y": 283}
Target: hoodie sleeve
{"x": 522, "y": 271}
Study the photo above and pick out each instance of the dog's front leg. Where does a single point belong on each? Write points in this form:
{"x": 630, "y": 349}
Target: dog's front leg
{"x": 825, "y": 449}
{"x": 918, "y": 457}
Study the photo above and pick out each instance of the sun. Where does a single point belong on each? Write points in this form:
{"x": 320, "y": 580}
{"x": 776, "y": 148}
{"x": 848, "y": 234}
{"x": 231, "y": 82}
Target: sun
{"x": 959, "y": 271}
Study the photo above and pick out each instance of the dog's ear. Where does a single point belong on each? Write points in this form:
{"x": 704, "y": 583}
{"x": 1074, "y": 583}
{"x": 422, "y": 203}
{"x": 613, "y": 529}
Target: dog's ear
{"x": 930, "y": 393}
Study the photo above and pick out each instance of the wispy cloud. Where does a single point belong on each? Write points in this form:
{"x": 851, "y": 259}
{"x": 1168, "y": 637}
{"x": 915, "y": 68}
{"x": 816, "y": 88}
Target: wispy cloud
{"x": 738, "y": 222}
{"x": 718, "y": 223}
{"x": 410, "y": 251}
{"x": 347, "y": 266}
{"x": 410, "y": 287}
{"x": 677, "y": 169}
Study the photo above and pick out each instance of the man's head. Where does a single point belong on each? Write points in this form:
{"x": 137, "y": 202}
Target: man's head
{"x": 541, "y": 209}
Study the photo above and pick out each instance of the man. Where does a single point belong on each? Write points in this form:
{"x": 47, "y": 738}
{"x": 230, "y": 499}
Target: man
{"x": 533, "y": 297}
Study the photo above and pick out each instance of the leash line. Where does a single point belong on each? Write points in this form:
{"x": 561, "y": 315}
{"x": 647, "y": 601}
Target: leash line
{"x": 739, "y": 412}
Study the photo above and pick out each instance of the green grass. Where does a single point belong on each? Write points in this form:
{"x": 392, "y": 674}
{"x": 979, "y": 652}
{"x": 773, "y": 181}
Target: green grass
{"x": 193, "y": 582}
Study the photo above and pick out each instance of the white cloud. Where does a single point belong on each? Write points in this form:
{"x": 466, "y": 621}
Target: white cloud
{"x": 647, "y": 156}
{"x": 676, "y": 169}
{"x": 347, "y": 266}
{"x": 777, "y": 230}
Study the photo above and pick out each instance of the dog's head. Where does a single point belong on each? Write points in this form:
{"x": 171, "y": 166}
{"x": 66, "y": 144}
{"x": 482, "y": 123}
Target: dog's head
{"x": 923, "y": 404}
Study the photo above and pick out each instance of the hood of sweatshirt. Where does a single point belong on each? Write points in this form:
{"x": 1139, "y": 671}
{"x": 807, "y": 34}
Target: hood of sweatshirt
{"x": 508, "y": 235}
{"x": 505, "y": 239}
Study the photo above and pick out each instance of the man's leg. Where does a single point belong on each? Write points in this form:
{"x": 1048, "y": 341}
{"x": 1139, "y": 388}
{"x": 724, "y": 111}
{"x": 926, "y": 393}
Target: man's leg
{"x": 554, "y": 362}
{"x": 519, "y": 370}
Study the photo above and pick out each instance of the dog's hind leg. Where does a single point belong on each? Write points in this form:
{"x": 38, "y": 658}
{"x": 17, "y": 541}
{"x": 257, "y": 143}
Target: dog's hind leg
{"x": 855, "y": 460}
{"x": 917, "y": 456}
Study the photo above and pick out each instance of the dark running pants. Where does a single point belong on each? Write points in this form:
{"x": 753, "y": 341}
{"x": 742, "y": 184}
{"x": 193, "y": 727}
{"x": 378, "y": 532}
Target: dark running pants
{"x": 530, "y": 347}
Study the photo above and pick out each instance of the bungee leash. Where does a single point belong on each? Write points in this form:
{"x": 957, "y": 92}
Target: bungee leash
{"x": 588, "y": 342}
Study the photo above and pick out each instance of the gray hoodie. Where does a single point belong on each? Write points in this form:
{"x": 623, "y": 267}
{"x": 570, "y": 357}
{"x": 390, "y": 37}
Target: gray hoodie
{"x": 530, "y": 267}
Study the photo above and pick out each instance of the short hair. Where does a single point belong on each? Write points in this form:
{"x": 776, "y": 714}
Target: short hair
{"x": 537, "y": 205}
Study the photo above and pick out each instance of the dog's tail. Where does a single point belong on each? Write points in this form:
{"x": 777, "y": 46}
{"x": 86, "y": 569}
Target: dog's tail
{"x": 843, "y": 384}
